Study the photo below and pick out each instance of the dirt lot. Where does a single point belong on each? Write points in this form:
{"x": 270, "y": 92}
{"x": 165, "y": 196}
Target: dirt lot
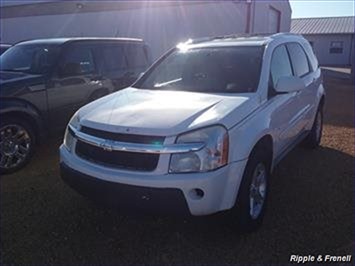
{"x": 311, "y": 211}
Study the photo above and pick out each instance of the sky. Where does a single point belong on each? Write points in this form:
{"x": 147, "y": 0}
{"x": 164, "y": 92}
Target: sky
{"x": 321, "y": 8}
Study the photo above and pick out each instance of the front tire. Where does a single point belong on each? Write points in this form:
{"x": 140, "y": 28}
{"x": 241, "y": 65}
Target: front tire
{"x": 17, "y": 142}
{"x": 253, "y": 192}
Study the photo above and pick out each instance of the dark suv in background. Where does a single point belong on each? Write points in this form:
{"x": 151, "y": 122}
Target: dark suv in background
{"x": 4, "y": 47}
{"x": 43, "y": 83}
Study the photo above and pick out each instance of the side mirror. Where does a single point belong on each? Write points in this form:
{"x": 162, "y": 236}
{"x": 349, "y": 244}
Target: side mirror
{"x": 289, "y": 84}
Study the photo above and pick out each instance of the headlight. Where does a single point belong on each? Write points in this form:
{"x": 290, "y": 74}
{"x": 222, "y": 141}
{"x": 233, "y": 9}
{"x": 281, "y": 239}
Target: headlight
{"x": 69, "y": 135}
{"x": 212, "y": 156}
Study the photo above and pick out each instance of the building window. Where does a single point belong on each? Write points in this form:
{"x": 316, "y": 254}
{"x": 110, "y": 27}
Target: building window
{"x": 336, "y": 48}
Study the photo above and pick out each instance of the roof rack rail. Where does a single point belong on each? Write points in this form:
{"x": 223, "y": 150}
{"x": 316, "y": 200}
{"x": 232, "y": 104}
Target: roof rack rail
{"x": 228, "y": 36}
{"x": 237, "y": 35}
{"x": 241, "y": 35}
{"x": 284, "y": 34}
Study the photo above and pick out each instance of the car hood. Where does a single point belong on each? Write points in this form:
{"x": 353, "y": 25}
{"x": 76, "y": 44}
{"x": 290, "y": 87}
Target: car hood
{"x": 165, "y": 113}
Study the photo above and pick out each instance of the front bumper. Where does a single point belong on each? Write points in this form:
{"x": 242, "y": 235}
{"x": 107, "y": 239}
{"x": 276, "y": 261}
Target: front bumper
{"x": 127, "y": 197}
{"x": 154, "y": 191}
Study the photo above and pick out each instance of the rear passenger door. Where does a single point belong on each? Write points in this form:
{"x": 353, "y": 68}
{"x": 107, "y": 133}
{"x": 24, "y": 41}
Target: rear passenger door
{"x": 305, "y": 98}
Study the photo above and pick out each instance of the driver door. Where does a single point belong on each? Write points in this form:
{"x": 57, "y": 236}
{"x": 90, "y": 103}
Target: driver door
{"x": 75, "y": 79}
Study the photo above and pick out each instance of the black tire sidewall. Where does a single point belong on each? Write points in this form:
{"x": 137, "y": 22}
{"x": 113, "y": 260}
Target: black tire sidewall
{"x": 312, "y": 141}
{"x": 318, "y": 140}
{"x": 30, "y": 132}
{"x": 242, "y": 206}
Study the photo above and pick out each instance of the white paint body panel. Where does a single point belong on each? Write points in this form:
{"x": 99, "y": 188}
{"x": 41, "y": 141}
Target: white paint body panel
{"x": 248, "y": 118}
{"x": 141, "y": 111}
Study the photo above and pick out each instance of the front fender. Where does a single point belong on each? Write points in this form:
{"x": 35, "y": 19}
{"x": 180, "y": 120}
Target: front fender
{"x": 243, "y": 140}
{"x": 19, "y": 107}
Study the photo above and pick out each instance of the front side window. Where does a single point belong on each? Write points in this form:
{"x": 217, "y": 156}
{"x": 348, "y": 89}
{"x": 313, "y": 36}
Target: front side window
{"x": 77, "y": 61}
{"x": 29, "y": 58}
{"x": 336, "y": 47}
{"x": 299, "y": 59}
{"x": 215, "y": 70}
{"x": 280, "y": 64}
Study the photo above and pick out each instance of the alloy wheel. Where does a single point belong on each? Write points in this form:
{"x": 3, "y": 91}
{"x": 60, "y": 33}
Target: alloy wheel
{"x": 257, "y": 192}
{"x": 15, "y": 146}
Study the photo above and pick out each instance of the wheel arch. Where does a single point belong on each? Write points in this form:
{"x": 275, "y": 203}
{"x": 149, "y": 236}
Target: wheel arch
{"x": 266, "y": 144}
{"x": 26, "y": 112}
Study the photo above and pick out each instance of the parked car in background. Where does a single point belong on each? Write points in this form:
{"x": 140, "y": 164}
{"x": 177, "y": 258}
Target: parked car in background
{"x": 4, "y": 47}
{"x": 43, "y": 83}
{"x": 201, "y": 131}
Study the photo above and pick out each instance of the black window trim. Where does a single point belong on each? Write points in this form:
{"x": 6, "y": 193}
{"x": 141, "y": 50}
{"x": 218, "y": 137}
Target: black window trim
{"x": 308, "y": 61}
{"x": 289, "y": 59}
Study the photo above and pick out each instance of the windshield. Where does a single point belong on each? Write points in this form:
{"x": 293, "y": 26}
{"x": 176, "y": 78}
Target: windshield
{"x": 33, "y": 59}
{"x": 220, "y": 69}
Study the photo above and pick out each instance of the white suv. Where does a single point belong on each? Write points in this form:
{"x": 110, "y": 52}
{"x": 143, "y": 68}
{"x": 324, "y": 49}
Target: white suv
{"x": 201, "y": 131}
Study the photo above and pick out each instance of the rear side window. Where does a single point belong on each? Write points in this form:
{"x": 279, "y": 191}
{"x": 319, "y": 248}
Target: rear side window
{"x": 299, "y": 59}
{"x": 136, "y": 56}
{"x": 312, "y": 58}
{"x": 78, "y": 60}
{"x": 114, "y": 58}
{"x": 280, "y": 64}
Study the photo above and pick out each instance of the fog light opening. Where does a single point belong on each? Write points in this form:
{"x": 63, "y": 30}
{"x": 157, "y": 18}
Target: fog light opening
{"x": 196, "y": 193}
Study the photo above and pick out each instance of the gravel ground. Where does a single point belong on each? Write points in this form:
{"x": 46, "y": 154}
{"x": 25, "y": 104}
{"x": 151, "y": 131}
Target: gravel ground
{"x": 311, "y": 211}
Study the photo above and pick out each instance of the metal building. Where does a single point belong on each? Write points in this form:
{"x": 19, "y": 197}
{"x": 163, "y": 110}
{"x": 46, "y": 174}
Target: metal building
{"x": 332, "y": 38}
{"x": 161, "y": 24}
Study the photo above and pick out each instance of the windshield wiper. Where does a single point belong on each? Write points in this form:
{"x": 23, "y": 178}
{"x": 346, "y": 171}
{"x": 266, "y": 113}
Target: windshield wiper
{"x": 167, "y": 83}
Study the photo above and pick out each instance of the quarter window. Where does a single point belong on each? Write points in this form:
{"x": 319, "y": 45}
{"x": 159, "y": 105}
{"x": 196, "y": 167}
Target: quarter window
{"x": 299, "y": 59}
{"x": 280, "y": 64}
{"x": 312, "y": 58}
{"x": 336, "y": 48}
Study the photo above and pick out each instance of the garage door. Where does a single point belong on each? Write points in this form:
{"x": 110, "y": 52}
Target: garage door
{"x": 274, "y": 20}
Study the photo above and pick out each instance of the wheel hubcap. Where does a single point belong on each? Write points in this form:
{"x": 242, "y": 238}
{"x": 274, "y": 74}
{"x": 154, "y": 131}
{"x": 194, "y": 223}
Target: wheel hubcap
{"x": 257, "y": 191}
{"x": 15, "y": 144}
